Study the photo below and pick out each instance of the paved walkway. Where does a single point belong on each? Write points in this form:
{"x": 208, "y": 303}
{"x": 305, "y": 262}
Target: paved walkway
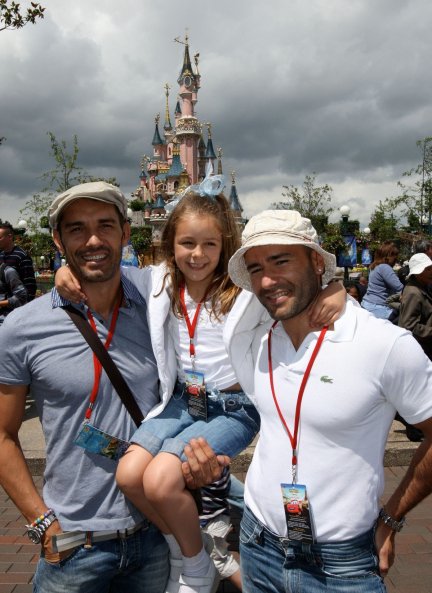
{"x": 411, "y": 573}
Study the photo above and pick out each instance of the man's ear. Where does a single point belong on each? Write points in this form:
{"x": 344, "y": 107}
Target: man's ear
{"x": 126, "y": 234}
{"x": 57, "y": 241}
{"x": 318, "y": 263}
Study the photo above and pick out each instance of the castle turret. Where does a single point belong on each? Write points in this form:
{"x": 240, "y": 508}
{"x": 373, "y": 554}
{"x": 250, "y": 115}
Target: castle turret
{"x": 234, "y": 201}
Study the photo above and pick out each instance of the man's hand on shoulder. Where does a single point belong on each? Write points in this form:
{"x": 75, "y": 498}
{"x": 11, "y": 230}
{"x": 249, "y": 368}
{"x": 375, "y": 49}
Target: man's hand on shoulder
{"x": 203, "y": 466}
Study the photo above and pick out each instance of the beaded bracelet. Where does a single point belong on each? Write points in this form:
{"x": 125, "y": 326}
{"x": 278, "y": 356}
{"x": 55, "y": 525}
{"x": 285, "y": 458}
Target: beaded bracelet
{"x": 42, "y": 518}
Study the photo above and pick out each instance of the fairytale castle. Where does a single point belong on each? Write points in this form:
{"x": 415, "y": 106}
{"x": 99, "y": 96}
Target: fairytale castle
{"x": 181, "y": 156}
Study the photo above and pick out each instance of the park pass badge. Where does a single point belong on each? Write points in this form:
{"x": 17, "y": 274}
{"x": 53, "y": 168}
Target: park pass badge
{"x": 196, "y": 392}
{"x": 94, "y": 440}
{"x": 297, "y": 513}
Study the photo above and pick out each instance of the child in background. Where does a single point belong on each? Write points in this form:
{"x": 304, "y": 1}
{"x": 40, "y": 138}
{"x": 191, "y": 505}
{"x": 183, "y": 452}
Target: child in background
{"x": 197, "y": 242}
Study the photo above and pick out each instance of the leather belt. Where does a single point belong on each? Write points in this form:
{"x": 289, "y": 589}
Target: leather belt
{"x": 72, "y": 539}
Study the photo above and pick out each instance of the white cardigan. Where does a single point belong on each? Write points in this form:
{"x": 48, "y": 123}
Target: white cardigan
{"x": 148, "y": 281}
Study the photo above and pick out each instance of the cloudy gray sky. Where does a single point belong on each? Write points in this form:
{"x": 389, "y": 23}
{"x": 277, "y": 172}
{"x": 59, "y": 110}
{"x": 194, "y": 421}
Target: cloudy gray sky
{"x": 291, "y": 87}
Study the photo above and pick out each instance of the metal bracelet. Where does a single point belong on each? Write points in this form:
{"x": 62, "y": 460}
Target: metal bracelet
{"x": 390, "y": 522}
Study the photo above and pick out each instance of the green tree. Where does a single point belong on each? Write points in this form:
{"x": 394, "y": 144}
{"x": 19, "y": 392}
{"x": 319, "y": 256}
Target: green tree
{"x": 13, "y": 17}
{"x": 384, "y": 224}
{"x": 65, "y": 174}
{"x": 311, "y": 201}
{"x": 141, "y": 238}
{"x": 415, "y": 201}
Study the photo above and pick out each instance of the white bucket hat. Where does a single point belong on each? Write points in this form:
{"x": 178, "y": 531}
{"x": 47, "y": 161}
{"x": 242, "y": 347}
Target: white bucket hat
{"x": 94, "y": 190}
{"x": 277, "y": 227}
{"x": 418, "y": 263}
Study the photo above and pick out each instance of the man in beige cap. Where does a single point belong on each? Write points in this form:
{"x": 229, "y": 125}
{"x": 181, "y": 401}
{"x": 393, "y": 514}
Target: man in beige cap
{"x": 326, "y": 397}
{"x": 91, "y": 538}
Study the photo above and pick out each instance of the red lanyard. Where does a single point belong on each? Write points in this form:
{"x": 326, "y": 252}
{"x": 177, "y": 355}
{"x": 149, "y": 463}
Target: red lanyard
{"x": 294, "y": 437}
{"x": 190, "y": 326}
{"x": 96, "y": 363}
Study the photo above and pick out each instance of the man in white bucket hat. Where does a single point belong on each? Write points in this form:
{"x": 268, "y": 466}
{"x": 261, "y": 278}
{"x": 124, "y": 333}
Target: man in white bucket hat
{"x": 327, "y": 397}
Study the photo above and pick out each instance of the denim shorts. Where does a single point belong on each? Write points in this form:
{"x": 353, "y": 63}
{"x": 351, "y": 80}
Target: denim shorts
{"x": 229, "y": 428}
{"x": 274, "y": 564}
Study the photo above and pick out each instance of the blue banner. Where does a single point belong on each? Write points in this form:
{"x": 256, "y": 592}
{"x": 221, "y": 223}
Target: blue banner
{"x": 366, "y": 257}
{"x": 347, "y": 258}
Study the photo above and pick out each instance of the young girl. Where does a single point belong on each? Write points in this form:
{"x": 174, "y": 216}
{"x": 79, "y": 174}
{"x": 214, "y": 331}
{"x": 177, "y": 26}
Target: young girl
{"x": 197, "y": 242}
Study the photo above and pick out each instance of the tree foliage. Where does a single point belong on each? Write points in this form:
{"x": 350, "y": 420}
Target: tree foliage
{"x": 311, "y": 201}
{"x": 65, "y": 174}
{"x": 141, "y": 238}
{"x": 384, "y": 223}
{"x": 415, "y": 201}
{"x": 12, "y": 16}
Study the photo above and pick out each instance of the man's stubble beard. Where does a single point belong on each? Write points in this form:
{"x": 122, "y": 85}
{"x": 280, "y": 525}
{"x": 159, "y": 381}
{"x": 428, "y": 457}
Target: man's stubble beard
{"x": 303, "y": 295}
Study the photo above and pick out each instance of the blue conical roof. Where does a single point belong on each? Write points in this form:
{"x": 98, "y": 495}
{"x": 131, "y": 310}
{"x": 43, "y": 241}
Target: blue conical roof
{"x": 234, "y": 200}
{"x": 157, "y": 140}
{"x": 210, "y": 153}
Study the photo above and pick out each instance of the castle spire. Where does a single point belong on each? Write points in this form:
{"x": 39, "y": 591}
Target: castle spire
{"x": 187, "y": 65}
{"x": 167, "y": 125}
{"x": 233, "y": 198}
{"x": 157, "y": 140}
{"x": 219, "y": 158}
{"x": 210, "y": 153}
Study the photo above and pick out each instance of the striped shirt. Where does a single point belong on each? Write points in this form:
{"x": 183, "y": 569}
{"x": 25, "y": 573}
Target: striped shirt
{"x": 214, "y": 498}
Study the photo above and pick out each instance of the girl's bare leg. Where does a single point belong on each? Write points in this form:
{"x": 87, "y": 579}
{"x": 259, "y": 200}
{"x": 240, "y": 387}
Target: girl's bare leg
{"x": 165, "y": 490}
{"x": 131, "y": 469}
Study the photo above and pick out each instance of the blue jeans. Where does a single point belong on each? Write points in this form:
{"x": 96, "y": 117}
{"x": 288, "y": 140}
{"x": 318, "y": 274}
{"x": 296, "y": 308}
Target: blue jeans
{"x": 236, "y": 493}
{"x": 273, "y": 564}
{"x": 136, "y": 564}
{"x": 227, "y": 432}
{"x": 380, "y": 311}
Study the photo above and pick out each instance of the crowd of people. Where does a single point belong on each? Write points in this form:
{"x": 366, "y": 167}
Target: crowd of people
{"x": 189, "y": 360}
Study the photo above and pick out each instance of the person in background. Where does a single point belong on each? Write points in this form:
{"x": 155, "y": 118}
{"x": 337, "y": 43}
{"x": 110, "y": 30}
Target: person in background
{"x": 383, "y": 281}
{"x": 12, "y": 291}
{"x": 423, "y": 246}
{"x": 416, "y": 314}
{"x": 15, "y": 257}
{"x": 353, "y": 290}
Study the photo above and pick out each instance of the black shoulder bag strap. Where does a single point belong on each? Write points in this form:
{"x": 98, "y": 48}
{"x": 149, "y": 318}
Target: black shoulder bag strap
{"x": 107, "y": 362}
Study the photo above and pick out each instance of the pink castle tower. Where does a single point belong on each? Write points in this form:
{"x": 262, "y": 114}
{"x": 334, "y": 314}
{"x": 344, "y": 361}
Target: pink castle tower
{"x": 180, "y": 153}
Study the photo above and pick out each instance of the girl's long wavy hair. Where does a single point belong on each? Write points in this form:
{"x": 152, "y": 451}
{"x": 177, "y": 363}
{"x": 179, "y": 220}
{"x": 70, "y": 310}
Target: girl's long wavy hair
{"x": 383, "y": 253}
{"x": 222, "y": 291}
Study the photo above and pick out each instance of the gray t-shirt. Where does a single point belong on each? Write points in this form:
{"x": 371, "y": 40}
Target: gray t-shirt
{"x": 41, "y": 347}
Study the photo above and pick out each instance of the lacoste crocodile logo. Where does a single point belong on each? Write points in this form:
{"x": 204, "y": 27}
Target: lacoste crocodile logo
{"x": 326, "y": 379}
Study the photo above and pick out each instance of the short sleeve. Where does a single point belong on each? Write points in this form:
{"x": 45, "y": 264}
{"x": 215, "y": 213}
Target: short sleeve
{"x": 13, "y": 361}
{"x": 407, "y": 380}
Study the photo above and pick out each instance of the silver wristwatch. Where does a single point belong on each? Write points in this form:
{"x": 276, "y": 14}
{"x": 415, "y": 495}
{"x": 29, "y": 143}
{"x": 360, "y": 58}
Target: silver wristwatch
{"x": 390, "y": 522}
{"x": 35, "y": 532}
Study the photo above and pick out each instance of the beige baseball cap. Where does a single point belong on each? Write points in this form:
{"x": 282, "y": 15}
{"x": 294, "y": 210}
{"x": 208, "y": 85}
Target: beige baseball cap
{"x": 277, "y": 227}
{"x": 95, "y": 190}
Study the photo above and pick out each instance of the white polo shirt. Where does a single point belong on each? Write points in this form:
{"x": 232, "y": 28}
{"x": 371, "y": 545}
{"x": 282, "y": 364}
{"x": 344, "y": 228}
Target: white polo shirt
{"x": 365, "y": 370}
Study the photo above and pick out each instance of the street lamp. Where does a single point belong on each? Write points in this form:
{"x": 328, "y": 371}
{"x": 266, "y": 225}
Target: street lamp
{"x": 345, "y": 211}
{"x": 366, "y": 230}
{"x": 22, "y": 224}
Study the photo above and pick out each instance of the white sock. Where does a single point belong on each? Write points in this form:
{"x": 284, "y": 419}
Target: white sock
{"x": 174, "y": 548}
{"x": 196, "y": 566}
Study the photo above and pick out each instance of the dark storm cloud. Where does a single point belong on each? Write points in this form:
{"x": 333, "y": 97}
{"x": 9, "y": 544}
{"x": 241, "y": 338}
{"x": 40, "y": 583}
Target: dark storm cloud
{"x": 342, "y": 89}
